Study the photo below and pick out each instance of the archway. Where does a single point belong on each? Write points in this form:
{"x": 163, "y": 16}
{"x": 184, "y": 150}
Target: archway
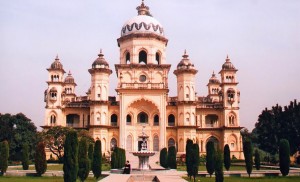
{"x": 215, "y": 141}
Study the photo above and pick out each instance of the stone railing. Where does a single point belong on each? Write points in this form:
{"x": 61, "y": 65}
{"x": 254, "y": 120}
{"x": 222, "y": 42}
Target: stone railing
{"x": 142, "y": 85}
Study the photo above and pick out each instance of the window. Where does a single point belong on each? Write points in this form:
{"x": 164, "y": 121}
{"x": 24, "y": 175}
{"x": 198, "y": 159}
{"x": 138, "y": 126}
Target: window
{"x": 143, "y": 57}
{"x": 156, "y": 120}
{"x": 171, "y": 142}
{"x": 157, "y": 58}
{"x": 128, "y": 119}
{"x": 99, "y": 95}
{"x": 171, "y": 120}
{"x": 187, "y": 119}
{"x": 187, "y": 95}
{"x": 113, "y": 120}
{"x": 231, "y": 120}
{"x": 52, "y": 119}
{"x": 142, "y": 117}
{"x": 127, "y": 58}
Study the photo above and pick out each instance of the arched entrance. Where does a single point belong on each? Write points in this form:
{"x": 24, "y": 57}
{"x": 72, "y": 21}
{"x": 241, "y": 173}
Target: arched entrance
{"x": 215, "y": 141}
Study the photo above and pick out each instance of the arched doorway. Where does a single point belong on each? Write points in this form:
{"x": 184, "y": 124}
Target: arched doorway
{"x": 171, "y": 142}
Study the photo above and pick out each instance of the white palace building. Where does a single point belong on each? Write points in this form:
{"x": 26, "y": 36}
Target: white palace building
{"x": 142, "y": 99}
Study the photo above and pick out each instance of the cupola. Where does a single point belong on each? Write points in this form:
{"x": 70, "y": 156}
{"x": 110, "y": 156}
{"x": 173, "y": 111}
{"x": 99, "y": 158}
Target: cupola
{"x": 228, "y": 65}
{"x": 185, "y": 63}
{"x": 69, "y": 78}
{"x": 56, "y": 64}
{"x": 100, "y": 62}
{"x": 214, "y": 79}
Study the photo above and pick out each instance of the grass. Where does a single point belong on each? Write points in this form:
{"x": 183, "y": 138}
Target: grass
{"x": 59, "y": 167}
{"x": 264, "y": 179}
{"x": 44, "y": 179}
{"x": 203, "y": 168}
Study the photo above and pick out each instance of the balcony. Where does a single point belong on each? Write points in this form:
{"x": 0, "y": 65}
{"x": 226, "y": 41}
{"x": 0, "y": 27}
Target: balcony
{"x": 142, "y": 86}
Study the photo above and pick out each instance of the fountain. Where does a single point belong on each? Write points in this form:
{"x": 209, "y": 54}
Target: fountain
{"x": 144, "y": 154}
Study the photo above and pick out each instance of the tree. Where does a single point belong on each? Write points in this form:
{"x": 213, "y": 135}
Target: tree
{"x": 172, "y": 158}
{"x": 210, "y": 155}
{"x": 54, "y": 139}
{"x": 257, "y": 159}
{"x": 71, "y": 157}
{"x": 284, "y": 157}
{"x": 83, "y": 160}
{"x": 248, "y": 153}
{"x": 97, "y": 160}
{"x": 195, "y": 160}
{"x": 40, "y": 159}
{"x": 227, "y": 160}
{"x": 188, "y": 157}
{"x": 25, "y": 157}
{"x": 219, "y": 167}
{"x": 4, "y": 154}
{"x": 18, "y": 129}
{"x": 163, "y": 156}
{"x": 91, "y": 153}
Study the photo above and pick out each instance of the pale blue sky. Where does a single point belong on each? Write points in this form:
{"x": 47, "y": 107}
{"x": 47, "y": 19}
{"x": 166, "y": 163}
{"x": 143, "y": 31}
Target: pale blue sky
{"x": 262, "y": 38}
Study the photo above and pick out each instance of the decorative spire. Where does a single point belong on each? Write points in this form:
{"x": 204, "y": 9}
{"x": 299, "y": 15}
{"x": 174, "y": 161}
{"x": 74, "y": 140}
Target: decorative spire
{"x": 142, "y": 9}
{"x": 100, "y": 54}
{"x": 227, "y": 58}
{"x": 185, "y": 56}
{"x": 69, "y": 74}
{"x": 56, "y": 58}
{"x": 213, "y": 74}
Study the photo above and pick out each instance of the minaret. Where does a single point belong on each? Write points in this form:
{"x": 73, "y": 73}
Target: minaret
{"x": 229, "y": 93}
{"x": 185, "y": 74}
{"x": 53, "y": 94}
{"x": 213, "y": 88}
{"x": 100, "y": 73}
{"x": 69, "y": 88}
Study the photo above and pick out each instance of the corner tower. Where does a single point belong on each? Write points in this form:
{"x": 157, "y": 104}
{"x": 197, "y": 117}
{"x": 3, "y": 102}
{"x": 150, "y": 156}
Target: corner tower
{"x": 142, "y": 80}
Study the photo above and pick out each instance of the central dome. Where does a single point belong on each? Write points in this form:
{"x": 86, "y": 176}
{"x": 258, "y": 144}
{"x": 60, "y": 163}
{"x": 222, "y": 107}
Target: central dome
{"x": 143, "y": 23}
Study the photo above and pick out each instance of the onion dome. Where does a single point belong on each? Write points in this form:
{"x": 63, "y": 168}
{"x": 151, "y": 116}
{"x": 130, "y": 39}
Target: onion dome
{"x": 214, "y": 79}
{"x": 56, "y": 64}
{"x": 69, "y": 78}
{"x": 185, "y": 63}
{"x": 100, "y": 62}
{"x": 143, "y": 23}
{"x": 228, "y": 65}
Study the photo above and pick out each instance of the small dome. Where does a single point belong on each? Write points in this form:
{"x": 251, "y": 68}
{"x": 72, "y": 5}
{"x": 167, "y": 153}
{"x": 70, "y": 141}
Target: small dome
{"x": 185, "y": 63}
{"x": 228, "y": 65}
{"x": 143, "y": 23}
{"x": 69, "y": 78}
{"x": 56, "y": 64}
{"x": 214, "y": 79}
{"x": 100, "y": 62}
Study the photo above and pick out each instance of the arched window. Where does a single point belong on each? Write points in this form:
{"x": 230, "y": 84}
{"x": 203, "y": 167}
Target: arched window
{"x": 171, "y": 120}
{"x": 143, "y": 57}
{"x": 231, "y": 119}
{"x": 127, "y": 58}
{"x": 156, "y": 120}
{"x": 52, "y": 119}
{"x": 171, "y": 142}
{"x": 155, "y": 143}
{"x": 230, "y": 95}
{"x": 157, "y": 58}
{"x": 113, "y": 143}
{"x": 128, "y": 119}
{"x": 142, "y": 118}
{"x": 113, "y": 120}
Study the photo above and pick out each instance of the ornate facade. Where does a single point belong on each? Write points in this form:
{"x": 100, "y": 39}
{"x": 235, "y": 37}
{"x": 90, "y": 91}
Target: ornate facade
{"x": 142, "y": 97}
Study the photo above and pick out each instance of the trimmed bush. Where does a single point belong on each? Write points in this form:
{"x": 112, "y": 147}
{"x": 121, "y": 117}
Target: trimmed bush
{"x": 284, "y": 157}
{"x": 4, "y": 154}
{"x": 40, "y": 159}
{"x": 118, "y": 158}
{"x": 227, "y": 160}
{"x": 188, "y": 159}
{"x": 219, "y": 167}
{"x": 90, "y": 154}
{"x": 25, "y": 157}
{"x": 248, "y": 153}
{"x": 97, "y": 160}
{"x": 163, "y": 157}
{"x": 83, "y": 160}
{"x": 210, "y": 158}
{"x": 195, "y": 160}
{"x": 257, "y": 160}
{"x": 172, "y": 158}
{"x": 71, "y": 157}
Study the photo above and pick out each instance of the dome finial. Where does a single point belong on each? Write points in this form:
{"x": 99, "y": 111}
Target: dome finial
{"x": 69, "y": 72}
{"x": 142, "y": 9}
{"x": 101, "y": 54}
{"x": 56, "y": 58}
{"x": 213, "y": 73}
{"x": 185, "y": 55}
{"x": 227, "y": 58}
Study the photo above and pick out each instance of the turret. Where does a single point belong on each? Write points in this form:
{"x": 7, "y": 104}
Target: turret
{"x": 214, "y": 88}
{"x": 69, "y": 88}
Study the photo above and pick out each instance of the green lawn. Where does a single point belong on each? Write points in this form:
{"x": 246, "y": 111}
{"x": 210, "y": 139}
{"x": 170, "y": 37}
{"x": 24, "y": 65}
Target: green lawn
{"x": 203, "y": 168}
{"x": 44, "y": 179}
{"x": 59, "y": 167}
{"x": 265, "y": 179}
